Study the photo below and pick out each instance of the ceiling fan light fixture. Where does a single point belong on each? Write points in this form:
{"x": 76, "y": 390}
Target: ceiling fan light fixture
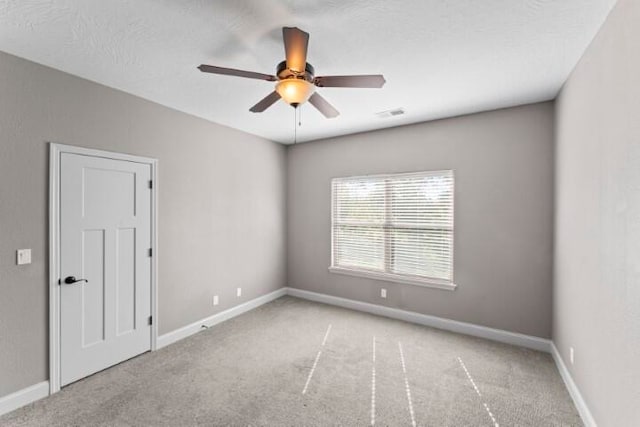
{"x": 295, "y": 91}
{"x": 296, "y": 78}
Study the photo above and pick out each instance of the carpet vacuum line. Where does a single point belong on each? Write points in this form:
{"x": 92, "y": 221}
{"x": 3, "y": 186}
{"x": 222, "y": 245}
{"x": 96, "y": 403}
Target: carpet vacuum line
{"x": 475, "y": 387}
{"x": 373, "y": 384}
{"x": 406, "y": 386}
{"x": 315, "y": 363}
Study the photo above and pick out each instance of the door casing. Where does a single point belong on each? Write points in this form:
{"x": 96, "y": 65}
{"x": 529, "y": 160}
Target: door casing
{"x": 55, "y": 150}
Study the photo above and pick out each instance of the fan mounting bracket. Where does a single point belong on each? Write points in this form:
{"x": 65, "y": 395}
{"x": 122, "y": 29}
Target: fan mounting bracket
{"x": 284, "y": 73}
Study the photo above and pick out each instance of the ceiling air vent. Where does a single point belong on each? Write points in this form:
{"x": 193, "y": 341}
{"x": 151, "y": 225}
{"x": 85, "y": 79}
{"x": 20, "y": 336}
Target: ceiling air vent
{"x": 390, "y": 113}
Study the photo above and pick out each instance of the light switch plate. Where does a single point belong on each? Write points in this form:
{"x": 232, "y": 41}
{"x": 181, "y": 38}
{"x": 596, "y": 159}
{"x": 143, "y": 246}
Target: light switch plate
{"x": 23, "y": 256}
{"x": 383, "y": 293}
{"x": 239, "y": 292}
{"x": 215, "y": 300}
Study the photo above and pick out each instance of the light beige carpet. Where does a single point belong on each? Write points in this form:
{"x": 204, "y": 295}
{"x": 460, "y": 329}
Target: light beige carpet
{"x": 252, "y": 370}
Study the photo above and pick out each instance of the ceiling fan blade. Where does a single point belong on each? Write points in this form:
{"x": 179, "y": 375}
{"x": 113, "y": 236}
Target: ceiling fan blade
{"x": 238, "y": 73}
{"x": 296, "y": 42}
{"x": 370, "y": 80}
{"x": 265, "y": 103}
{"x": 323, "y": 106}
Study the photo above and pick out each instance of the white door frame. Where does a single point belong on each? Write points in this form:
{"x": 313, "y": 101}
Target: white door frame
{"x": 55, "y": 151}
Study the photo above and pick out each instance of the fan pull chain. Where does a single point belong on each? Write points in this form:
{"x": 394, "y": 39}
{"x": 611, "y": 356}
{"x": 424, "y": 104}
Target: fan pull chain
{"x": 297, "y": 121}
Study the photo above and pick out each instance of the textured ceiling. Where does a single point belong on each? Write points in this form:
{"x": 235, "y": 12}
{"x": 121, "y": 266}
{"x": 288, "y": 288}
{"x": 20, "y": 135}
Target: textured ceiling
{"x": 440, "y": 58}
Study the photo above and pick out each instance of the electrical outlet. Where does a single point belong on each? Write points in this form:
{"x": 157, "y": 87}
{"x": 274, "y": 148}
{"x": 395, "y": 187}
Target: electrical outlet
{"x": 571, "y": 355}
{"x": 239, "y": 292}
{"x": 215, "y": 300}
{"x": 383, "y": 293}
{"x": 23, "y": 256}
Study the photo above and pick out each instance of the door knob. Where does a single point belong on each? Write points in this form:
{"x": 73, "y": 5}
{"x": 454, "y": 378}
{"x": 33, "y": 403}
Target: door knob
{"x": 70, "y": 280}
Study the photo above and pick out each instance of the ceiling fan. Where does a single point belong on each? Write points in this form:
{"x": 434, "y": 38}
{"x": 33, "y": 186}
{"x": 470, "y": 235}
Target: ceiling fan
{"x": 295, "y": 77}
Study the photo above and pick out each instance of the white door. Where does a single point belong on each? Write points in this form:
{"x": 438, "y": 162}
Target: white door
{"x": 105, "y": 239}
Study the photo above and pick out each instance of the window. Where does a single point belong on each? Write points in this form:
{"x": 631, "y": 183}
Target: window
{"x": 395, "y": 227}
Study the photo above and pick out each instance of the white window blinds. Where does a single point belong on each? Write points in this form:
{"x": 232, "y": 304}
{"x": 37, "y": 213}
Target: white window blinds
{"x": 399, "y": 226}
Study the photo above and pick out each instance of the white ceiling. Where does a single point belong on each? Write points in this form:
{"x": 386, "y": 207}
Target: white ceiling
{"x": 440, "y": 58}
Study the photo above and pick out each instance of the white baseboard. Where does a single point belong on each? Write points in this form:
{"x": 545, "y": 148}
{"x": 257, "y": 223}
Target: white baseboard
{"x": 513, "y": 338}
{"x": 578, "y": 400}
{"x": 178, "y": 334}
{"x": 24, "y": 397}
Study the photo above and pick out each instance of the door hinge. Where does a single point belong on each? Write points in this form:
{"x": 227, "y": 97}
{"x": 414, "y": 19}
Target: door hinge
{"x": 150, "y": 252}
{"x": 150, "y": 184}
{"x": 150, "y": 320}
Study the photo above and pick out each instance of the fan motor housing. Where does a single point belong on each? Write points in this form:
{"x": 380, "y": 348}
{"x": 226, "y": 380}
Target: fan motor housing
{"x": 285, "y": 73}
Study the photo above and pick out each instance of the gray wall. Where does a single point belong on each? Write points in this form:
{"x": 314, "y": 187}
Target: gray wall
{"x": 221, "y": 215}
{"x": 597, "y": 259}
{"x": 503, "y": 162}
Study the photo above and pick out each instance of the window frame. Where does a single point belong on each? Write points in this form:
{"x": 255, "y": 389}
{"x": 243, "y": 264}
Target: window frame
{"x": 387, "y": 275}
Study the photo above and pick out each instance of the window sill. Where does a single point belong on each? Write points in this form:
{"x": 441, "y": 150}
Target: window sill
{"x": 428, "y": 283}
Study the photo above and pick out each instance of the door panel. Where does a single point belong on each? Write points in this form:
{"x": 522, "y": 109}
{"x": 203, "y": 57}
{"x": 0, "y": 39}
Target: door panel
{"x": 126, "y": 284}
{"x": 105, "y": 233}
{"x": 92, "y": 297}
